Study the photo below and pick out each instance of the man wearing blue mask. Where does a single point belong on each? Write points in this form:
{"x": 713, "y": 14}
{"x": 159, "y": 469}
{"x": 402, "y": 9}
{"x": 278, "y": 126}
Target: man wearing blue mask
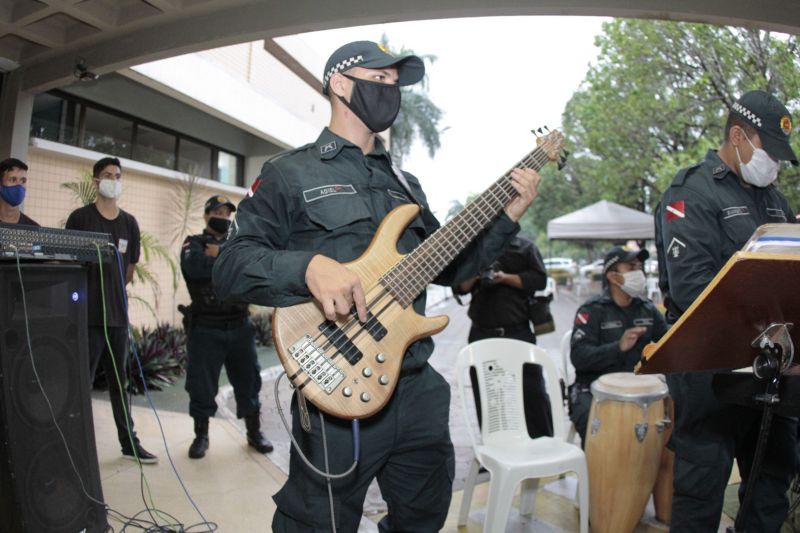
{"x": 707, "y": 214}
{"x": 611, "y": 329}
{"x": 13, "y": 183}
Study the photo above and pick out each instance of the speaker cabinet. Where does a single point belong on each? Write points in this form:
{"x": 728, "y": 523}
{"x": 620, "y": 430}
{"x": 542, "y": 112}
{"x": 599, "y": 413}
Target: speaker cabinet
{"x": 40, "y": 492}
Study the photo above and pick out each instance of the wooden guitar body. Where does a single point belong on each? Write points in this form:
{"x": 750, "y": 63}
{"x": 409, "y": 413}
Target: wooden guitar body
{"x": 370, "y": 381}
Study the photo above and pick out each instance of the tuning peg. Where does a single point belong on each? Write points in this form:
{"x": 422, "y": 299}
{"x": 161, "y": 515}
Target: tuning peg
{"x": 534, "y": 132}
{"x": 566, "y": 154}
{"x": 547, "y": 129}
{"x": 540, "y": 131}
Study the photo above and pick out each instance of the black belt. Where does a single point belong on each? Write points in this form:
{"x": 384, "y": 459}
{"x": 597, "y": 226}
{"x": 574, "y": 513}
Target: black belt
{"x": 235, "y": 323}
{"x": 504, "y": 331}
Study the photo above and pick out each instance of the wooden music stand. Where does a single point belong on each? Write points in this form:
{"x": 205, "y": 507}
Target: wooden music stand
{"x": 752, "y": 291}
{"x": 743, "y": 318}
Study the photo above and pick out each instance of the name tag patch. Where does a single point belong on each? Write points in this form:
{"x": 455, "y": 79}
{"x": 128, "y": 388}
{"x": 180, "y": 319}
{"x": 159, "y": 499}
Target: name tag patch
{"x": 776, "y": 213}
{"x": 730, "y": 212}
{"x": 397, "y": 195}
{"x": 611, "y": 324}
{"x": 316, "y": 193}
{"x": 122, "y": 245}
{"x": 643, "y": 322}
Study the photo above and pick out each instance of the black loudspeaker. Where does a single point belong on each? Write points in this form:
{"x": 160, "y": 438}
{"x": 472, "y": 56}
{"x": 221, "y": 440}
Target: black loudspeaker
{"x": 40, "y": 491}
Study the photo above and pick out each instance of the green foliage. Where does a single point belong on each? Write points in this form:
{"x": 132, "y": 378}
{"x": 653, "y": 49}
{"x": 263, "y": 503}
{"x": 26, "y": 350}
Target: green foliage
{"x": 162, "y": 352}
{"x": 419, "y": 117}
{"x": 263, "y": 327}
{"x": 82, "y": 188}
{"x": 187, "y": 206}
{"x": 655, "y": 101}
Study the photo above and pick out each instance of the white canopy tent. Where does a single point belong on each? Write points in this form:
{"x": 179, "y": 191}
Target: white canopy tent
{"x": 603, "y": 220}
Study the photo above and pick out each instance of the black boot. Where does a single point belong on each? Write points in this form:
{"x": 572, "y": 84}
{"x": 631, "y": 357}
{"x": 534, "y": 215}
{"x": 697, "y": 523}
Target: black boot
{"x": 254, "y": 436}
{"x": 200, "y": 442}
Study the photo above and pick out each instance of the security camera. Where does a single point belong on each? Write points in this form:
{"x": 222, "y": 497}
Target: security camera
{"x": 82, "y": 72}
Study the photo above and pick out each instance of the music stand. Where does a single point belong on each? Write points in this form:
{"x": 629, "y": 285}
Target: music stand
{"x": 743, "y": 318}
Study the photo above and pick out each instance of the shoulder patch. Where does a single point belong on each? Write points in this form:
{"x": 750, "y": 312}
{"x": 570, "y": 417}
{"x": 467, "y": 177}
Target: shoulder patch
{"x": 582, "y": 319}
{"x": 675, "y": 210}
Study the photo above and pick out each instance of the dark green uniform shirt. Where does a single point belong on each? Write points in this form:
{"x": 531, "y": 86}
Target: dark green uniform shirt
{"x": 329, "y": 198}
{"x": 599, "y": 324}
{"x": 705, "y": 216}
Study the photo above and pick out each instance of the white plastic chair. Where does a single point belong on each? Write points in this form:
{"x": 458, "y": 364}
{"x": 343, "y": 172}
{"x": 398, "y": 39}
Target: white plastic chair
{"x": 506, "y": 450}
{"x": 568, "y": 378}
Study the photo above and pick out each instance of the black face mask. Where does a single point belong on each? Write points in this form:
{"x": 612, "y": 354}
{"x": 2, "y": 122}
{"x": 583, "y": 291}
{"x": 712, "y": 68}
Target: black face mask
{"x": 376, "y": 104}
{"x": 219, "y": 225}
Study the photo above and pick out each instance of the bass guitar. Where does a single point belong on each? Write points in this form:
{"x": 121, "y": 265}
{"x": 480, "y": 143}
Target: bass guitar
{"x": 349, "y": 369}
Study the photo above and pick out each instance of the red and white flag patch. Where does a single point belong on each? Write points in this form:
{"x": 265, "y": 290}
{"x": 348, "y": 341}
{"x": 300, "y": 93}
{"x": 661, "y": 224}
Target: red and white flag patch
{"x": 676, "y": 210}
{"x": 582, "y": 319}
{"x": 253, "y": 187}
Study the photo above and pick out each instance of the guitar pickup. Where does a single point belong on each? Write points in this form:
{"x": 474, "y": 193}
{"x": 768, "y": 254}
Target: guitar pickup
{"x": 316, "y": 365}
{"x": 341, "y": 341}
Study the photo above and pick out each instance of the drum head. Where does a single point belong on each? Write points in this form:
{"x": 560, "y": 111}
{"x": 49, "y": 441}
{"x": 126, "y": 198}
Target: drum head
{"x": 628, "y": 386}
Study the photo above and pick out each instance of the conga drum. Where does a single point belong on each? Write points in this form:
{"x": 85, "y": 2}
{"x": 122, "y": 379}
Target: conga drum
{"x": 662, "y": 491}
{"x": 624, "y": 445}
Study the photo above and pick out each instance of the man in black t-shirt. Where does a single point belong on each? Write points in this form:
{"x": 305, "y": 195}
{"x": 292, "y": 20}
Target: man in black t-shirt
{"x": 13, "y": 183}
{"x": 105, "y": 216}
{"x": 499, "y": 308}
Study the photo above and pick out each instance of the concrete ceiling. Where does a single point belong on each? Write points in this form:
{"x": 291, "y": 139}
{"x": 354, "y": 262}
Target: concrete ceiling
{"x": 47, "y": 37}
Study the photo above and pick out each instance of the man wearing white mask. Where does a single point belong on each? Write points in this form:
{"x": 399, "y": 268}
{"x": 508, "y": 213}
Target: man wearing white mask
{"x": 105, "y": 216}
{"x": 611, "y": 329}
{"x": 707, "y": 214}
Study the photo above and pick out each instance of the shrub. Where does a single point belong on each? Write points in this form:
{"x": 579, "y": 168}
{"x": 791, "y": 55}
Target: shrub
{"x": 263, "y": 326}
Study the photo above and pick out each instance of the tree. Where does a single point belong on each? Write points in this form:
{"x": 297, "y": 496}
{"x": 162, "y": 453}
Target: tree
{"x": 419, "y": 117}
{"x": 655, "y": 101}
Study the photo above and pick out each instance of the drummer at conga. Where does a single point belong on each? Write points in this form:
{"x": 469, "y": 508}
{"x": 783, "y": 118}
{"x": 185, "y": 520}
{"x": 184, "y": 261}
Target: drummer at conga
{"x": 612, "y": 328}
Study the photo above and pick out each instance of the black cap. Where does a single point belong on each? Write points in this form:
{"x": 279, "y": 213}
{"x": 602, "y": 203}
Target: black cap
{"x": 618, "y": 254}
{"x": 366, "y": 54}
{"x": 218, "y": 200}
{"x": 772, "y": 121}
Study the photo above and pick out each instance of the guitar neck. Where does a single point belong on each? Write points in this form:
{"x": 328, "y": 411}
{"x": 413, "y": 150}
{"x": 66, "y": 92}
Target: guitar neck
{"x": 409, "y": 277}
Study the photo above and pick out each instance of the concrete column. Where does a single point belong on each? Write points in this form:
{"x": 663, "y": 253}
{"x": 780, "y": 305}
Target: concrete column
{"x": 16, "y": 110}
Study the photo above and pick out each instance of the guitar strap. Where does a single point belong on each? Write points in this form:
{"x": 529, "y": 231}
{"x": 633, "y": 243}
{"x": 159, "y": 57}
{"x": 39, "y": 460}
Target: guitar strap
{"x": 427, "y": 216}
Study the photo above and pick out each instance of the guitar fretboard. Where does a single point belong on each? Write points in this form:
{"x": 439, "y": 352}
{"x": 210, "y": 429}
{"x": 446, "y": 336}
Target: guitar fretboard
{"x": 409, "y": 277}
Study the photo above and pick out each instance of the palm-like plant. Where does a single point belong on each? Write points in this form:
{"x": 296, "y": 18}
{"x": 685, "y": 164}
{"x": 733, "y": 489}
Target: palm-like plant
{"x": 418, "y": 117}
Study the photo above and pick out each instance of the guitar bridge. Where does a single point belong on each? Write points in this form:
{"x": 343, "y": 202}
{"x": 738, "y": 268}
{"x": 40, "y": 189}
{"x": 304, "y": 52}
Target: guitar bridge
{"x": 317, "y": 366}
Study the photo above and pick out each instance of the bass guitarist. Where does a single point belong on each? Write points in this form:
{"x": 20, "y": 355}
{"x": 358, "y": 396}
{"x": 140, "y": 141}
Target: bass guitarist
{"x": 311, "y": 210}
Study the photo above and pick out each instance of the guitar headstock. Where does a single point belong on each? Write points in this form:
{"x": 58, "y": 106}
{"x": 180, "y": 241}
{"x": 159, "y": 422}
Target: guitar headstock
{"x": 552, "y": 143}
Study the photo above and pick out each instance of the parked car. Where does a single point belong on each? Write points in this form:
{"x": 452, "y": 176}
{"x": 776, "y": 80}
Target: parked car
{"x": 560, "y": 263}
{"x": 593, "y": 270}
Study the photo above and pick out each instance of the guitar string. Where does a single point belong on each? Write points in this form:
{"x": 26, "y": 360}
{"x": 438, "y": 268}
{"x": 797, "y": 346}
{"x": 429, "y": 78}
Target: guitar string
{"x": 537, "y": 156}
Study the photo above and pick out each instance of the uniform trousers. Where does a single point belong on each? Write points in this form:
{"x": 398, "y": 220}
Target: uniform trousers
{"x": 708, "y": 436}
{"x": 406, "y": 446}
{"x": 211, "y": 348}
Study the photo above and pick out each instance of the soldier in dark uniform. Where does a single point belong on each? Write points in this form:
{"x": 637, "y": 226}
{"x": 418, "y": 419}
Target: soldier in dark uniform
{"x": 313, "y": 209}
{"x": 611, "y": 329}
{"x": 708, "y": 212}
{"x": 220, "y": 333}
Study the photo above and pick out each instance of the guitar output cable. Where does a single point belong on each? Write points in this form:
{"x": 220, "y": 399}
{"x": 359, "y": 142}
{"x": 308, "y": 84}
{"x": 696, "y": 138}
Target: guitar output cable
{"x": 325, "y": 474}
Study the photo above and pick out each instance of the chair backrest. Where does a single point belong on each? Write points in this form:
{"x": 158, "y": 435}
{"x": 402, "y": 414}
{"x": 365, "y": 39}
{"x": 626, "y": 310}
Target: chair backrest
{"x": 565, "y": 361}
{"x": 498, "y": 365}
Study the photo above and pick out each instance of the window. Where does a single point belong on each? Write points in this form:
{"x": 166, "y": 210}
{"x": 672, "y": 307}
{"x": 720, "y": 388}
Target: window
{"x": 107, "y": 133}
{"x": 154, "y": 146}
{"x": 227, "y": 168}
{"x": 194, "y": 158}
{"x": 68, "y": 119}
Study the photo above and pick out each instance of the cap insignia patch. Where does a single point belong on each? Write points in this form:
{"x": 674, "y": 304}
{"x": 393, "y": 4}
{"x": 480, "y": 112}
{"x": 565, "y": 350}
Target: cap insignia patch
{"x": 786, "y": 124}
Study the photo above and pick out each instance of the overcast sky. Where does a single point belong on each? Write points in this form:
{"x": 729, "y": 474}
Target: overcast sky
{"x": 495, "y": 79}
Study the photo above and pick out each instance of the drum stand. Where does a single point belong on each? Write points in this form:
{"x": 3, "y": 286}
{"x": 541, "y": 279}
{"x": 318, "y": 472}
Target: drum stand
{"x": 776, "y": 351}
